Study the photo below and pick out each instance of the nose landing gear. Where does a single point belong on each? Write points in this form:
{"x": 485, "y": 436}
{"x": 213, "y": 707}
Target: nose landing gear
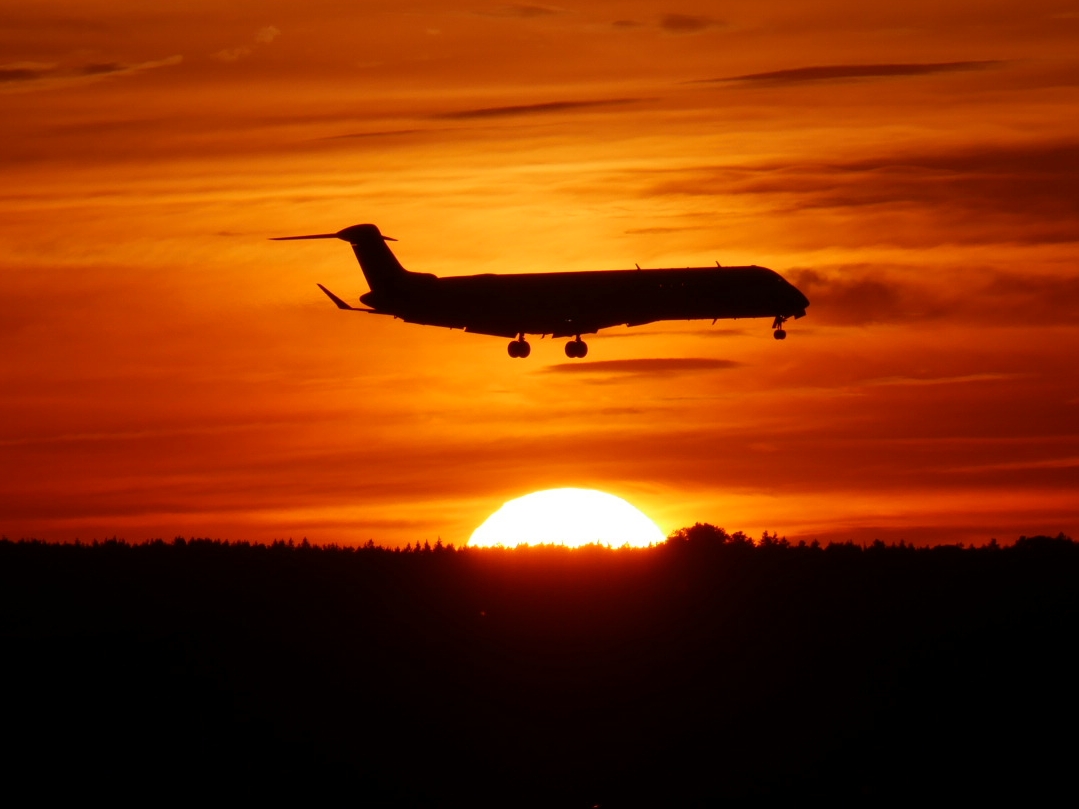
{"x": 577, "y": 349}
{"x": 777, "y": 324}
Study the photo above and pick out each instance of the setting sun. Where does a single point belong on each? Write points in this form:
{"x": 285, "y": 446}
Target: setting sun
{"x": 571, "y": 517}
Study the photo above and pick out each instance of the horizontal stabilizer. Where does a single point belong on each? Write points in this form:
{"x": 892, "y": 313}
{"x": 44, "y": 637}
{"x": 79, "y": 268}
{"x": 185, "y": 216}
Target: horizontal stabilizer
{"x": 294, "y": 238}
{"x": 352, "y": 235}
{"x": 340, "y": 303}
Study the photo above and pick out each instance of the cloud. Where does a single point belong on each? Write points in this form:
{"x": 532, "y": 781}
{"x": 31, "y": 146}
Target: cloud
{"x": 1046, "y": 463}
{"x": 824, "y": 73}
{"x": 33, "y": 74}
{"x": 1021, "y": 193}
{"x": 1036, "y": 299}
{"x": 862, "y": 295}
{"x": 536, "y": 109}
{"x": 264, "y": 36}
{"x": 386, "y": 133}
{"x": 267, "y": 35}
{"x": 651, "y": 367}
{"x": 25, "y": 71}
{"x": 101, "y": 68}
{"x": 232, "y": 54}
{"x": 686, "y": 23}
{"x": 121, "y": 69}
{"x": 523, "y": 11}
{"x": 923, "y": 381}
{"x": 654, "y": 230}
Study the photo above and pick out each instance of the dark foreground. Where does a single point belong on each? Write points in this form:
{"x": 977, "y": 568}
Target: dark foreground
{"x": 686, "y": 675}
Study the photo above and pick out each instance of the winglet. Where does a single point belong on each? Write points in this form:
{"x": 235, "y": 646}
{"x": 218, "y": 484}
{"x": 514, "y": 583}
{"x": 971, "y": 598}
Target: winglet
{"x": 340, "y": 303}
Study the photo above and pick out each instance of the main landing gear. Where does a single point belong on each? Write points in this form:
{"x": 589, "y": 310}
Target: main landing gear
{"x": 576, "y": 349}
{"x": 519, "y": 348}
{"x": 777, "y": 324}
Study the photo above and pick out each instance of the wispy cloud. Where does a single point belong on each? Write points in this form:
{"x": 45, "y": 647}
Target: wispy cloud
{"x": 923, "y": 381}
{"x": 651, "y": 230}
{"x": 866, "y": 295}
{"x": 863, "y": 294}
{"x": 825, "y": 73}
{"x": 545, "y": 108}
{"x": 983, "y": 193}
{"x": 264, "y": 36}
{"x": 25, "y": 71}
{"x": 386, "y": 133}
{"x": 1045, "y": 463}
{"x": 232, "y": 54}
{"x": 656, "y": 366}
{"x": 29, "y": 75}
{"x": 686, "y": 23}
{"x": 523, "y": 11}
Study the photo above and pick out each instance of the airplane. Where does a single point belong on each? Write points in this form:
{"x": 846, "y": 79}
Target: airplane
{"x": 561, "y": 304}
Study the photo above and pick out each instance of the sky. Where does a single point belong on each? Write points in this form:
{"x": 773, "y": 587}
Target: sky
{"x": 167, "y": 370}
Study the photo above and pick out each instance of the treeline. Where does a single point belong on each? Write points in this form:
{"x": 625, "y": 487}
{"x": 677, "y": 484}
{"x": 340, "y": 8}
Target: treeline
{"x": 710, "y": 668}
{"x": 700, "y": 535}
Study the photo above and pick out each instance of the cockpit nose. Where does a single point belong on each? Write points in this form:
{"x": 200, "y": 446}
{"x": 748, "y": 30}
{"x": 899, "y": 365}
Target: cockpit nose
{"x": 796, "y": 300}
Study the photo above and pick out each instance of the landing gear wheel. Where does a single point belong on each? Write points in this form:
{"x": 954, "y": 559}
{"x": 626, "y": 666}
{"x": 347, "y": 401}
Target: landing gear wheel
{"x": 777, "y": 324}
{"x": 519, "y": 349}
{"x": 576, "y": 349}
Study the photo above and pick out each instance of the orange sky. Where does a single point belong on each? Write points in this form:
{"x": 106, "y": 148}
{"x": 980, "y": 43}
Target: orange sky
{"x": 167, "y": 370}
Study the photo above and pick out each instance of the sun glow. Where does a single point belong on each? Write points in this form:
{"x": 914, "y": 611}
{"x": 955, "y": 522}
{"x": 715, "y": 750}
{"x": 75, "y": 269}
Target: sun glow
{"x": 571, "y": 517}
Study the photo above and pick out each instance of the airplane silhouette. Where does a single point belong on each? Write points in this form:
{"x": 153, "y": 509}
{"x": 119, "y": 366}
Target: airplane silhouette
{"x": 561, "y": 304}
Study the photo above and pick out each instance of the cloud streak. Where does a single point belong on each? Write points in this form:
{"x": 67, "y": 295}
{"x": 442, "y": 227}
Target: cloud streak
{"x": 264, "y": 36}
{"x": 32, "y": 75}
{"x": 522, "y": 11}
{"x": 385, "y": 133}
{"x": 855, "y": 296}
{"x": 828, "y": 73}
{"x": 1021, "y": 193}
{"x": 686, "y": 23}
{"x": 25, "y": 71}
{"x": 655, "y": 367}
{"x": 546, "y": 108}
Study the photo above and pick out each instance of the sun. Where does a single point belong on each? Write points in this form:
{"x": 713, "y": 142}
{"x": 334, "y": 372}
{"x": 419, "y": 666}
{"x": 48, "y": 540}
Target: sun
{"x": 571, "y": 517}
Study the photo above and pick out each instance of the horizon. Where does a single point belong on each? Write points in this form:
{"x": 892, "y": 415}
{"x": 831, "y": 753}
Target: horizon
{"x": 766, "y": 540}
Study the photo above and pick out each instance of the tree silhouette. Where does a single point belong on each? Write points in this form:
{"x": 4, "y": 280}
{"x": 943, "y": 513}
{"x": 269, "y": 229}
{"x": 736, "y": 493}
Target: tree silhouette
{"x": 709, "y": 669}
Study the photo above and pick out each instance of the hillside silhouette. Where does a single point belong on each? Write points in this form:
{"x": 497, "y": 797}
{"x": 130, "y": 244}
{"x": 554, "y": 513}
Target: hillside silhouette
{"x": 705, "y": 669}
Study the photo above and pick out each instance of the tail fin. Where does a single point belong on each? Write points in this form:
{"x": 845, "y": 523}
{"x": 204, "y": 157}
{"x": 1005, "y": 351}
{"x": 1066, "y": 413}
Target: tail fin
{"x": 380, "y": 266}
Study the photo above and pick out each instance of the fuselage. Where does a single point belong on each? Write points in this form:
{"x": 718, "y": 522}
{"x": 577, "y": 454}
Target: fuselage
{"x": 565, "y": 304}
